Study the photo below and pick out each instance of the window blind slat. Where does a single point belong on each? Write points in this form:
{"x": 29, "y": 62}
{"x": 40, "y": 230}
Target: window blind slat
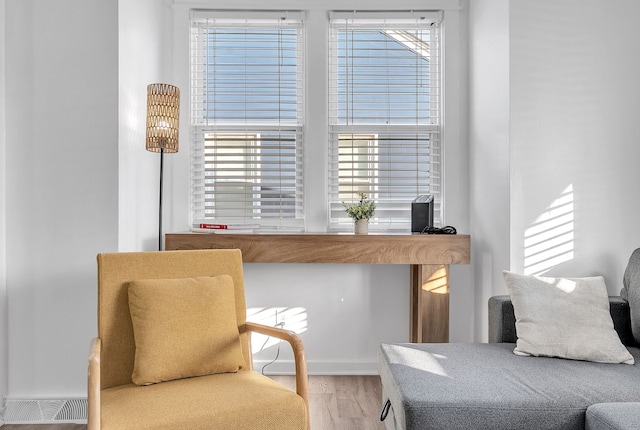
{"x": 384, "y": 114}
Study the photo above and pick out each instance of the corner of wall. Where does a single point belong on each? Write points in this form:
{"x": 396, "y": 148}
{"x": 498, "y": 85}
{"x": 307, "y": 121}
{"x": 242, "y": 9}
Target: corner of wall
{"x": 489, "y": 150}
{"x": 141, "y": 61}
{"x": 4, "y": 373}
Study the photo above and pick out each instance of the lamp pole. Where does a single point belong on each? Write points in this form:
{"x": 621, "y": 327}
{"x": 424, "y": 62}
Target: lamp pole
{"x": 160, "y": 200}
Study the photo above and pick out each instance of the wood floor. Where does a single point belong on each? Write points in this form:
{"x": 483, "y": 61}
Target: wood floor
{"x": 336, "y": 403}
{"x": 342, "y": 402}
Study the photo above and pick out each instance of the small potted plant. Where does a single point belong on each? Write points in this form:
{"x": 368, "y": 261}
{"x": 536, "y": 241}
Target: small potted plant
{"x": 361, "y": 212}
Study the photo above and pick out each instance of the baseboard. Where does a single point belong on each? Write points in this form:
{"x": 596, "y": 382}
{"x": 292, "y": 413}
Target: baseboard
{"x": 41, "y": 411}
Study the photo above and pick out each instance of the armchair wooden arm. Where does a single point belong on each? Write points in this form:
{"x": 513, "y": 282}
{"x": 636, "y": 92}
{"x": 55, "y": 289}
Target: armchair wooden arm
{"x": 93, "y": 403}
{"x": 302, "y": 380}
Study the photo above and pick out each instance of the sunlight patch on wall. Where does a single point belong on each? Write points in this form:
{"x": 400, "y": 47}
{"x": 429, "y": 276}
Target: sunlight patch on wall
{"x": 293, "y": 319}
{"x": 548, "y": 242}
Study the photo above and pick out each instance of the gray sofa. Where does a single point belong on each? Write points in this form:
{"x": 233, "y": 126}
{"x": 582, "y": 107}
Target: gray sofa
{"x": 486, "y": 386}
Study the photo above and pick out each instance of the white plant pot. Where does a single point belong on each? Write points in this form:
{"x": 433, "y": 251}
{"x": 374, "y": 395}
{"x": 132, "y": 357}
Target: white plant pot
{"x": 362, "y": 226}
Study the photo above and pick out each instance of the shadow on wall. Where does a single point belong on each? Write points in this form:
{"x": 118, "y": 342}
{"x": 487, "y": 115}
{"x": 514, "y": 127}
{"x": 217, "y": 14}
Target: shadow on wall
{"x": 293, "y": 319}
{"x": 548, "y": 242}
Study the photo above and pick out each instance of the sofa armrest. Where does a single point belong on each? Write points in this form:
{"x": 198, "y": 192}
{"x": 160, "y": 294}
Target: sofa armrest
{"x": 620, "y": 313}
{"x": 502, "y": 321}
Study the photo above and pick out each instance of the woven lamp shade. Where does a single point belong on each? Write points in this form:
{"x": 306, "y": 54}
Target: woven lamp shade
{"x": 163, "y": 116}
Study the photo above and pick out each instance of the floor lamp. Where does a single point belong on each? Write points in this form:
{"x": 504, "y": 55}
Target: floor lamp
{"x": 163, "y": 115}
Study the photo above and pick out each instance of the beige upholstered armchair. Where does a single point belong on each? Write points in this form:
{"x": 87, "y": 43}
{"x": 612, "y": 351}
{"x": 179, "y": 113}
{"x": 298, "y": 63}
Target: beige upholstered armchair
{"x": 173, "y": 348}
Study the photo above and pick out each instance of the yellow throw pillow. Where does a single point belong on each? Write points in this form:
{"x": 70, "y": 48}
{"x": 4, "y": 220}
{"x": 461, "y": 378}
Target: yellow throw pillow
{"x": 183, "y": 328}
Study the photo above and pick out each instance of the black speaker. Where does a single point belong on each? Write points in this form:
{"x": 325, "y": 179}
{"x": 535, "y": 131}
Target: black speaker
{"x": 421, "y": 213}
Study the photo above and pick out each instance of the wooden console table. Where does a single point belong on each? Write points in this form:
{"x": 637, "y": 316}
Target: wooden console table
{"x": 429, "y": 257}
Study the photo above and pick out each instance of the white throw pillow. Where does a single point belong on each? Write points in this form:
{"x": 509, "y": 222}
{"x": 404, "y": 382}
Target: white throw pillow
{"x": 564, "y": 317}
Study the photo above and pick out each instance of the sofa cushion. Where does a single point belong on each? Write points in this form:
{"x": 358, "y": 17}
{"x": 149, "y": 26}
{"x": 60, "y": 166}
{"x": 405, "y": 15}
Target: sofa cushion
{"x": 183, "y": 328}
{"x": 613, "y": 416}
{"x": 208, "y": 402}
{"x": 486, "y": 386}
{"x": 564, "y": 317}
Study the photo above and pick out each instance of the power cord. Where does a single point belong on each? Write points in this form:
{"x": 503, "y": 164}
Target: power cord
{"x": 279, "y": 325}
{"x": 272, "y": 361}
{"x": 439, "y": 230}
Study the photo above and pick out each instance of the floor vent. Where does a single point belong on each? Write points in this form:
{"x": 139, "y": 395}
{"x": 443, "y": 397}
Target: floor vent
{"x": 45, "y": 411}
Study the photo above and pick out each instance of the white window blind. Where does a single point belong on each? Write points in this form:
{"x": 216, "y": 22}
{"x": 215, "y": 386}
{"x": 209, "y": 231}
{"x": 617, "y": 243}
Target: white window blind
{"x": 247, "y": 104}
{"x": 384, "y": 114}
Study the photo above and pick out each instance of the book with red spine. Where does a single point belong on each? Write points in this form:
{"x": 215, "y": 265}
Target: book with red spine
{"x": 215, "y": 226}
{"x": 222, "y": 230}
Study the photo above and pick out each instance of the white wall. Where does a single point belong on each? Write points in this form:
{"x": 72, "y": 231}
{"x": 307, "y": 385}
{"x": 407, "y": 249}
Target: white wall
{"x": 488, "y": 151}
{"x": 553, "y": 100}
{"x": 574, "y": 104}
{"x": 61, "y": 176}
{"x": 144, "y": 57}
{"x": 4, "y": 368}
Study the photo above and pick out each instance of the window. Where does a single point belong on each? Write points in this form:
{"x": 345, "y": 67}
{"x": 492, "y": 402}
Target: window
{"x": 384, "y": 114}
{"x": 247, "y": 120}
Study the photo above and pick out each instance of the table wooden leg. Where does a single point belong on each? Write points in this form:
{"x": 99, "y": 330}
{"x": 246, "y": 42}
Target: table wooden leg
{"x": 415, "y": 304}
{"x": 429, "y": 303}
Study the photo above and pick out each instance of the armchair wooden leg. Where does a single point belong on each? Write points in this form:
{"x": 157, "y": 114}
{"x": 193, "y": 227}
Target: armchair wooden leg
{"x": 93, "y": 394}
